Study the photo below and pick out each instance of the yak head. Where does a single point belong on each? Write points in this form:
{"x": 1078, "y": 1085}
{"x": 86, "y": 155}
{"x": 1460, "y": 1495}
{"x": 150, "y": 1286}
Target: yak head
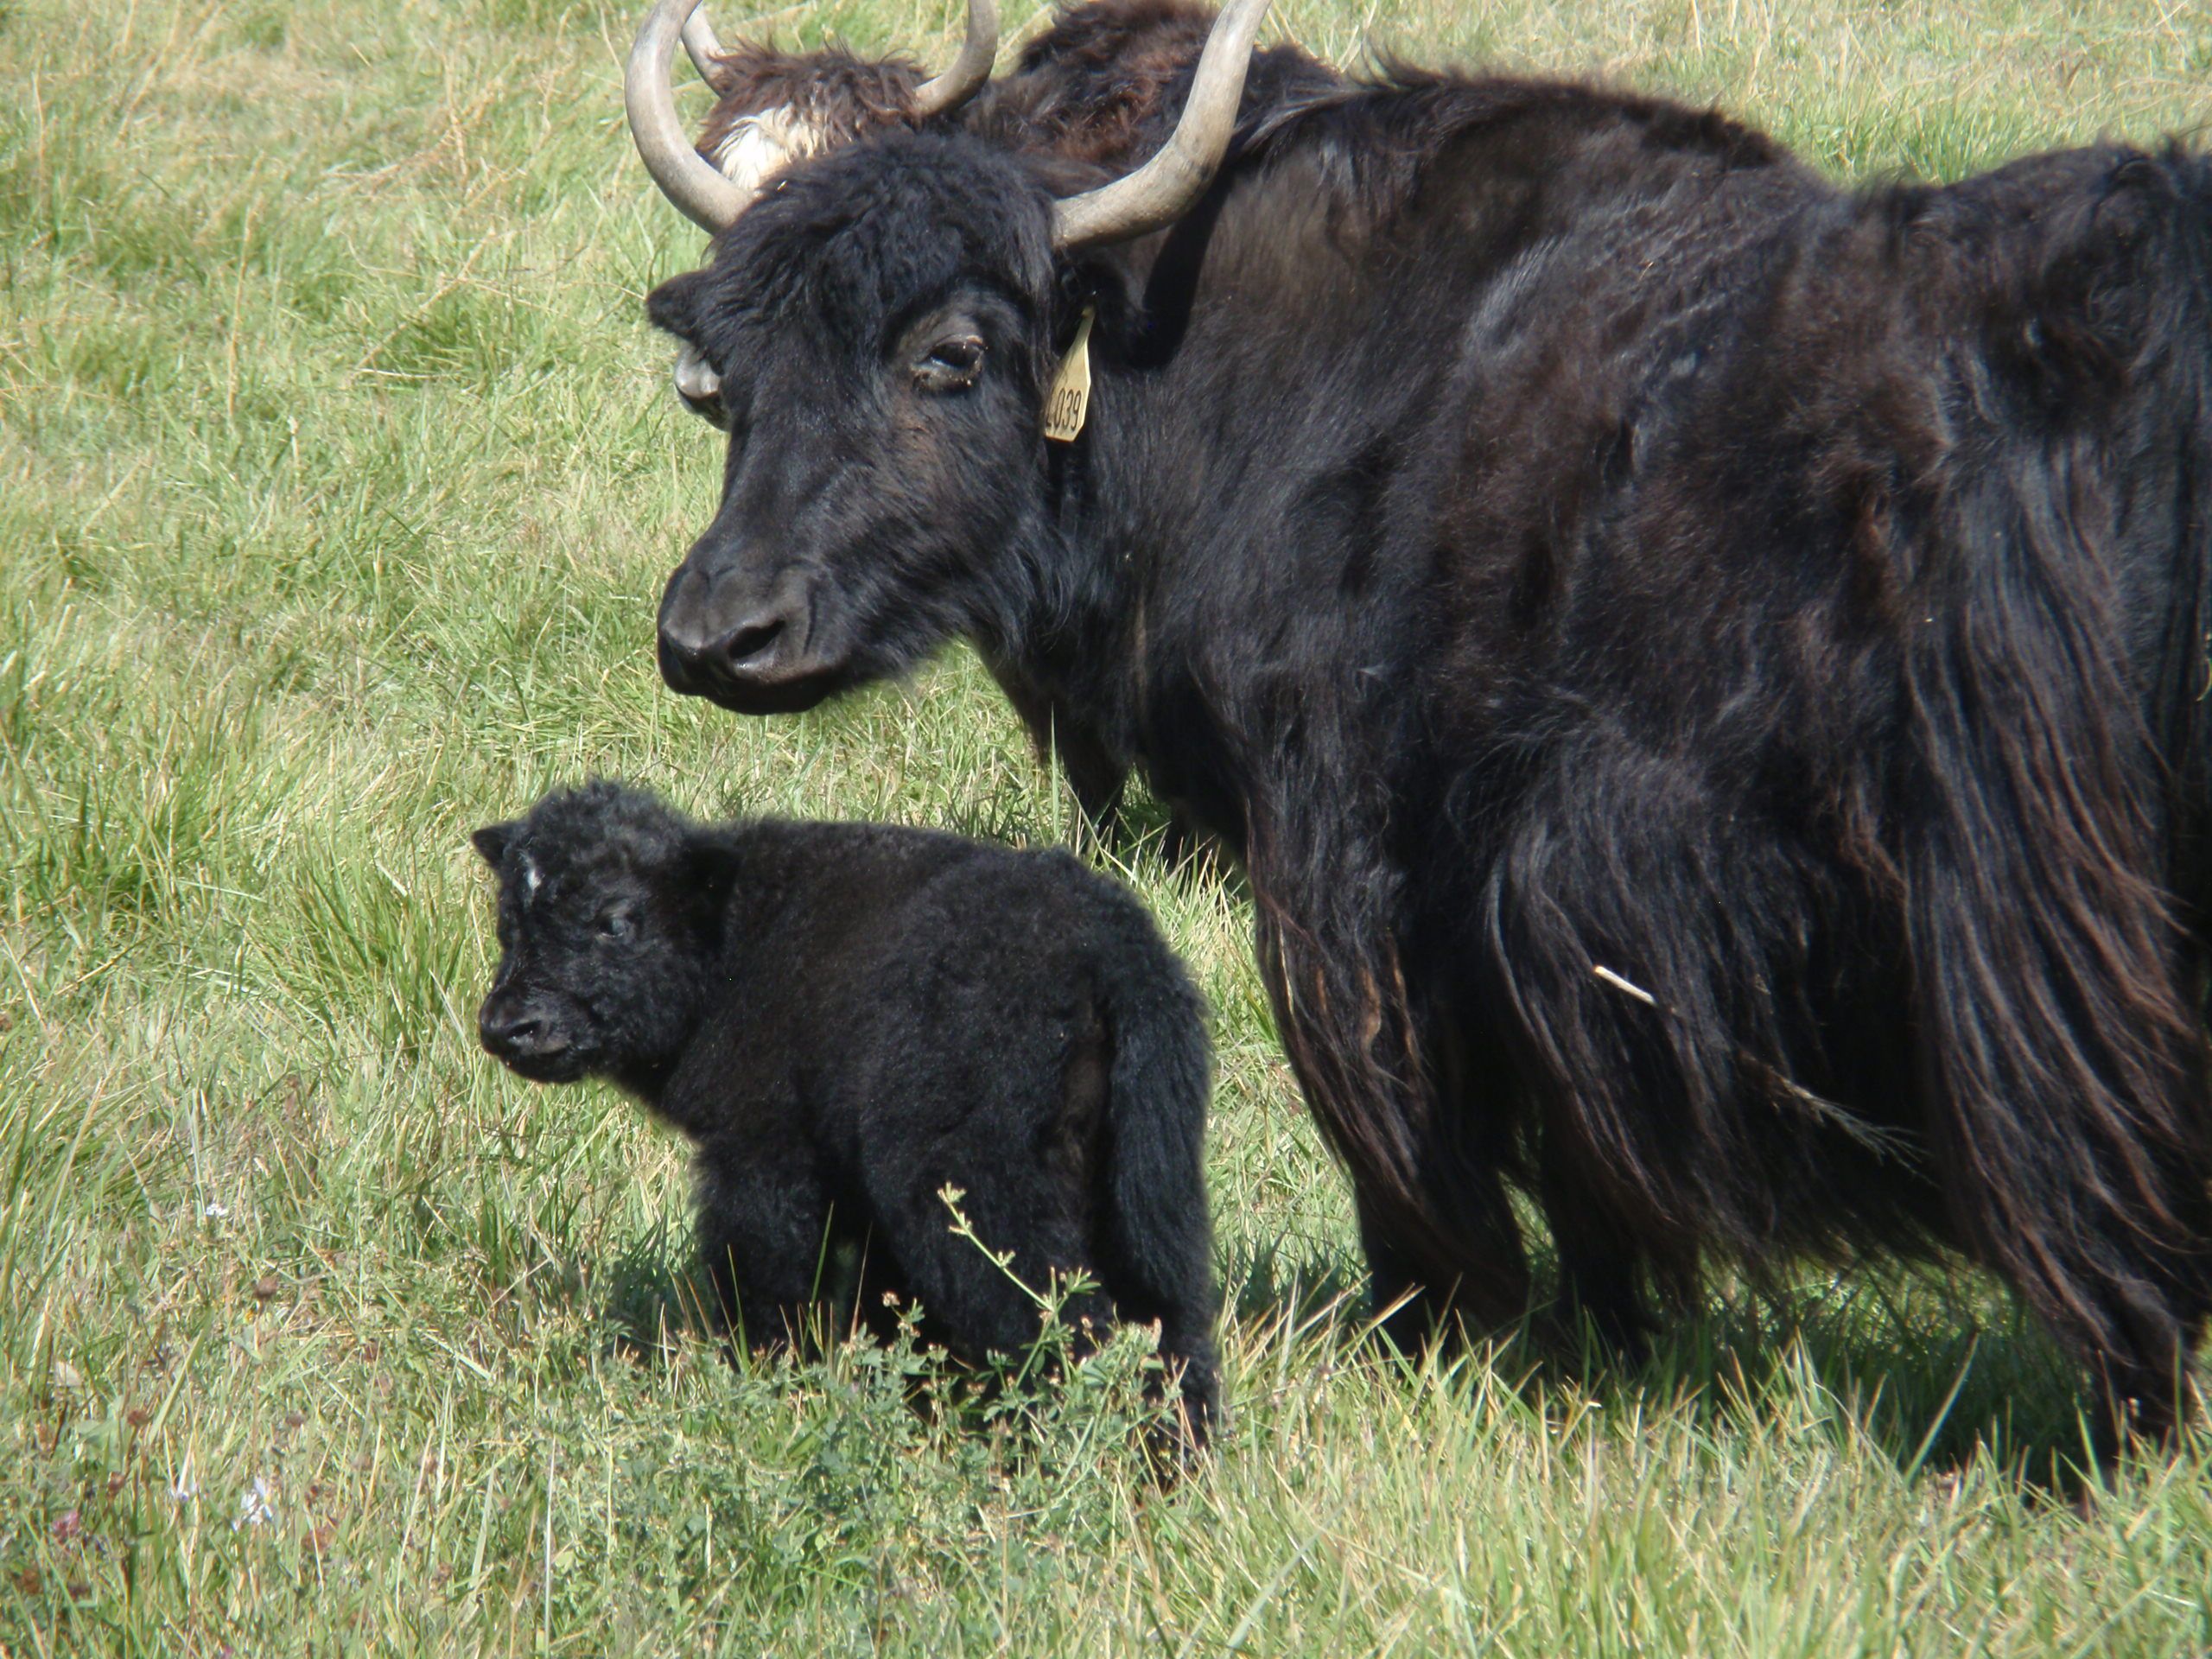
{"x": 880, "y": 331}
{"x": 772, "y": 108}
{"x": 877, "y": 332}
{"x": 610, "y": 919}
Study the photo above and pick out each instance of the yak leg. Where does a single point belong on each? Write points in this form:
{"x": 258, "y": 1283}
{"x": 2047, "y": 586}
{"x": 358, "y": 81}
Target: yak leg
{"x": 2069, "y": 1060}
{"x": 1412, "y": 1310}
{"x": 1406, "y": 1313}
{"x": 1443, "y": 1249}
{"x": 2154, "y": 1388}
{"x": 1095, "y": 775}
{"x": 1456, "y": 1272}
{"x": 1600, "y": 1294}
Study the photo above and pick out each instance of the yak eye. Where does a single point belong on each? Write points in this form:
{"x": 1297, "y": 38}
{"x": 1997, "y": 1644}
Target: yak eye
{"x": 617, "y": 924}
{"x": 952, "y": 364}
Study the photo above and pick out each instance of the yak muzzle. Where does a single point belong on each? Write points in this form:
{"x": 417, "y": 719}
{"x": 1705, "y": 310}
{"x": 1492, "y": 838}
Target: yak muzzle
{"x": 748, "y": 650}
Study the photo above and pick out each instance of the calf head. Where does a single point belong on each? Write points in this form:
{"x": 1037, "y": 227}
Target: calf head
{"x": 610, "y": 909}
{"x": 877, "y": 333}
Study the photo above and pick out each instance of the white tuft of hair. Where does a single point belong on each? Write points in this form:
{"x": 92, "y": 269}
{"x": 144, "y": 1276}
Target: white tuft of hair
{"x": 759, "y": 146}
{"x": 754, "y": 151}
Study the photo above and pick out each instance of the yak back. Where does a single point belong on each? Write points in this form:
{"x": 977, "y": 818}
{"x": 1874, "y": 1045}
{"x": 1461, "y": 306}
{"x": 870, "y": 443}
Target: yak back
{"x": 1104, "y": 85}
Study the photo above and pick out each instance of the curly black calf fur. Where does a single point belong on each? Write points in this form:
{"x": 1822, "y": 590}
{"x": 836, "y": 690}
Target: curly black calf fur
{"x": 848, "y": 1018}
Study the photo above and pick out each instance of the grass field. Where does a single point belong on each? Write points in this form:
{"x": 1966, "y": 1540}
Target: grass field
{"x": 338, "y": 477}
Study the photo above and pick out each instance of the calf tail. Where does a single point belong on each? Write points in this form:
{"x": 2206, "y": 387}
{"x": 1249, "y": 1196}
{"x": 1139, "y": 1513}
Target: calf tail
{"x": 1158, "y": 1230}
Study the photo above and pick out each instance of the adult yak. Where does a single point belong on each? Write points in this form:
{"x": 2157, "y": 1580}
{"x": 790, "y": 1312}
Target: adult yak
{"x": 1704, "y": 669}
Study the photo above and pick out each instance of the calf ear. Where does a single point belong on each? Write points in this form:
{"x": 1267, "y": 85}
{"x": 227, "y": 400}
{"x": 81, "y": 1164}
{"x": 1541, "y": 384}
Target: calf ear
{"x": 492, "y": 841}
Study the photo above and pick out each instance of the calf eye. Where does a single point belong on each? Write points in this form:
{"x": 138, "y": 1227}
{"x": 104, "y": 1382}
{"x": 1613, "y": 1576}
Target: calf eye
{"x": 617, "y": 924}
{"x": 952, "y": 364}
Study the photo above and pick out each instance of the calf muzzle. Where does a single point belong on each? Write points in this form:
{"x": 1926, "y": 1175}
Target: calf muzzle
{"x": 523, "y": 1039}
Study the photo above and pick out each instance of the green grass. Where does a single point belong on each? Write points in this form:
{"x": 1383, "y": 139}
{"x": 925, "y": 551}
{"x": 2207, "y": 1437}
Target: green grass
{"x": 338, "y": 477}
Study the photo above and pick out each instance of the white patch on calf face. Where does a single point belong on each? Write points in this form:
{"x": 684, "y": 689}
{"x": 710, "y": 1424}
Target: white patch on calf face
{"x": 532, "y": 878}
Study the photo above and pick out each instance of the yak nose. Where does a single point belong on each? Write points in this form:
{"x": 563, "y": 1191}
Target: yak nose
{"x": 517, "y": 1035}
{"x": 737, "y": 641}
{"x": 693, "y": 655}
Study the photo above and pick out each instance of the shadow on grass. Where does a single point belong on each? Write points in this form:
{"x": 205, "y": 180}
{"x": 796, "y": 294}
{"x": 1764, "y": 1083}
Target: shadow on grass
{"x": 1930, "y": 1370}
{"x": 1297, "y": 1281}
{"x": 656, "y": 1296}
{"x": 1157, "y": 843}
{"x": 652, "y": 1298}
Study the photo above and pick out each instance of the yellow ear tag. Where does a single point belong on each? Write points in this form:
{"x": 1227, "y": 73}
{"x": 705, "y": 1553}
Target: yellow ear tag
{"x": 1069, "y": 398}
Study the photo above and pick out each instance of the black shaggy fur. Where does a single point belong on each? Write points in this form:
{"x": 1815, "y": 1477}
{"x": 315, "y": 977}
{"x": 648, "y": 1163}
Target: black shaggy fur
{"x": 1549, "y": 530}
{"x": 846, "y": 1019}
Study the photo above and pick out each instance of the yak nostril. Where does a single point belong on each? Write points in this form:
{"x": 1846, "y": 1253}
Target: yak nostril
{"x": 750, "y": 639}
{"x": 677, "y": 661}
{"x": 685, "y": 642}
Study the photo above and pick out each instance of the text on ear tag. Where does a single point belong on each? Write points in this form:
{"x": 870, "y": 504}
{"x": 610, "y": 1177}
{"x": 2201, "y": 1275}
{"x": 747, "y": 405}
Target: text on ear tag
{"x": 1068, "y": 401}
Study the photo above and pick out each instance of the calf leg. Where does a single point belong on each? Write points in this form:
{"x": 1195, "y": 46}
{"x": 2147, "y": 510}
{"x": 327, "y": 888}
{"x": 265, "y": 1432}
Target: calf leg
{"x": 764, "y": 1238}
{"x": 880, "y": 1292}
{"x": 969, "y": 1300}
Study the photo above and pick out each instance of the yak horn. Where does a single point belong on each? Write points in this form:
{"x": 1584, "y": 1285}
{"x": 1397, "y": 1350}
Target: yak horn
{"x": 970, "y": 70}
{"x": 698, "y": 188}
{"x": 704, "y": 46}
{"x": 1169, "y": 185}
{"x": 699, "y": 191}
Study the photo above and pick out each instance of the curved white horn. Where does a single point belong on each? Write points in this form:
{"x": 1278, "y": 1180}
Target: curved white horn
{"x": 703, "y": 194}
{"x": 1166, "y": 186}
{"x": 970, "y": 70}
{"x": 706, "y": 50}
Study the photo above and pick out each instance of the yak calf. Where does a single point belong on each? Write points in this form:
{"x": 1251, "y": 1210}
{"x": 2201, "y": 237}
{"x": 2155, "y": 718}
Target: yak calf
{"x": 845, "y": 1019}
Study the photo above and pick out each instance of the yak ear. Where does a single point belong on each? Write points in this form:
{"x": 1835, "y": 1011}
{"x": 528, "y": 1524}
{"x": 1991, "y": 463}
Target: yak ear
{"x": 492, "y": 841}
{"x": 1105, "y": 289}
{"x": 673, "y": 307}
